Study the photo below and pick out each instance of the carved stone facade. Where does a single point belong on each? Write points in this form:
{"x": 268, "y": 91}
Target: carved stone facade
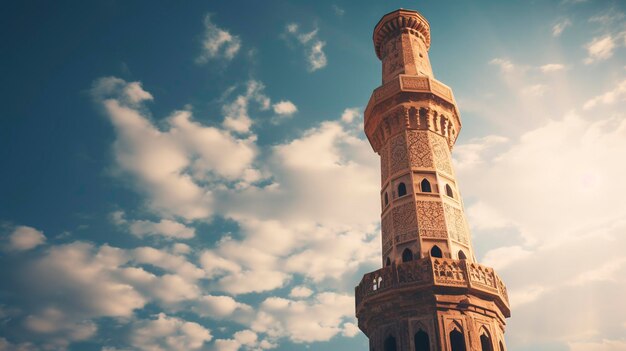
{"x": 431, "y": 294}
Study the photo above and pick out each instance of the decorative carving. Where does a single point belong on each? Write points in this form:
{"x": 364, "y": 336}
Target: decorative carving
{"x": 392, "y": 59}
{"x": 417, "y": 83}
{"x": 402, "y": 238}
{"x": 441, "y": 89}
{"x": 441, "y": 152}
{"x": 387, "y": 235}
{"x": 503, "y": 291}
{"x": 399, "y": 158}
{"x": 482, "y": 276}
{"x": 384, "y": 163}
{"x": 407, "y": 51}
{"x": 414, "y": 272}
{"x": 432, "y": 219}
{"x": 404, "y": 218}
{"x": 456, "y": 224}
{"x": 419, "y": 149}
{"x": 449, "y": 272}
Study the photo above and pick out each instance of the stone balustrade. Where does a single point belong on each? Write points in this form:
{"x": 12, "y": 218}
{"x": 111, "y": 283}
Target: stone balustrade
{"x": 434, "y": 272}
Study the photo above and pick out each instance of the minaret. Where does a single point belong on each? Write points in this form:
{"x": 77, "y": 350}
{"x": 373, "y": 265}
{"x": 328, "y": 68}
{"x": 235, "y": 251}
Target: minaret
{"x": 431, "y": 294}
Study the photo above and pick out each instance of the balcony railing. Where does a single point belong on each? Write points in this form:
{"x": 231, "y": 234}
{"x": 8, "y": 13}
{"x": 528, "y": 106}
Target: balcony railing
{"x": 432, "y": 271}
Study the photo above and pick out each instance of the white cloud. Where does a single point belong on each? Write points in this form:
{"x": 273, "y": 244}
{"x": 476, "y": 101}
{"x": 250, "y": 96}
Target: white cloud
{"x": 168, "y": 333}
{"x": 24, "y": 238}
{"x": 474, "y": 152}
{"x": 219, "y": 307}
{"x": 351, "y": 114}
{"x": 5, "y": 345}
{"x": 285, "y": 107}
{"x": 85, "y": 280}
{"x": 300, "y": 292}
{"x": 236, "y": 115}
{"x": 610, "y": 97}
{"x": 59, "y": 329}
{"x": 317, "y": 57}
{"x": 552, "y": 67}
{"x": 503, "y": 256}
{"x": 165, "y": 228}
{"x": 314, "y": 47}
{"x": 305, "y": 321}
{"x": 172, "y": 166}
{"x": 167, "y": 261}
{"x": 504, "y": 64}
{"x": 560, "y": 26}
{"x": 246, "y": 339}
{"x": 217, "y": 43}
{"x": 600, "y": 49}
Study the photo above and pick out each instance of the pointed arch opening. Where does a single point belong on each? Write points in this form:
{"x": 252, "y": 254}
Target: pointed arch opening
{"x": 421, "y": 341}
{"x": 462, "y": 255}
{"x": 386, "y": 199}
{"x": 425, "y": 186}
{"x": 436, "y": 252}
{"x": 390, "y": 344}
{"x": 388, "y": 262}
{"x": 457, "y": 340}
{"x": 401, "y": 189}
{"x": 407, "y": 255}
{"x": 449, "y": 191}
{"x": 501, "y": 346}
{"x": 485, "y": 343}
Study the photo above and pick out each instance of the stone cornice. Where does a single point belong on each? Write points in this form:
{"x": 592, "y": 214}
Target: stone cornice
{"x": 398, "y": 21}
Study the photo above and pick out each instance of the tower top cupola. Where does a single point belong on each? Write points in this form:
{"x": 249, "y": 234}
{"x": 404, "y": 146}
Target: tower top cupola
{"x": 398, "y": 21}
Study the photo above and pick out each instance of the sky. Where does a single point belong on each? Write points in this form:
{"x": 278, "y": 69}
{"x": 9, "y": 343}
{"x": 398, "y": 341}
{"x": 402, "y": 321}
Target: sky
{"x": 194, "y": 175}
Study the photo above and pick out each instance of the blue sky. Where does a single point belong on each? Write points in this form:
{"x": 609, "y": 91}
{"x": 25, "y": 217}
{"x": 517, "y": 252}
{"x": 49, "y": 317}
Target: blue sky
{"x": 195, "y": 176}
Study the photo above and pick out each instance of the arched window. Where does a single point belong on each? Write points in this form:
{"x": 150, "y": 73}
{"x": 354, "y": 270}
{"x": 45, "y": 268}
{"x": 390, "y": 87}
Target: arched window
{"x": 401, "y": 189}
{"x": 386, "y": 199}
{"x": 462, "y": 255}
{"x": 501, "y": 346}
{"x": 457, "y": 340}
{"x": 388, "y": 262}
{"x": 436, "y": 252}
{"x": 425, "y": 186}
{"x": 421, "y": 341}
{"x": 449, "y": 191}
{"x": 485, "y": 343}
{"x": 407, "y": 255}
{"x": 390, "y": 343}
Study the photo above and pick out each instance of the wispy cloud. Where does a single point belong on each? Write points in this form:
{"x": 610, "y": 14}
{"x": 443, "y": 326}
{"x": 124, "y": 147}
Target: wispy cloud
{"x": 314, "y": 47}
{"x": 504, "y": 64}
{"x": 560, "y": 26}
{"x": 609, "y": 97}
{"x": 338, "y": 10}
{"x": 608, "y": 18}
{"x": 24, "y": 238}
{"x": 552, "y": 67}
{"x": 600, "y": 49}
{"x": 217, "y": 43}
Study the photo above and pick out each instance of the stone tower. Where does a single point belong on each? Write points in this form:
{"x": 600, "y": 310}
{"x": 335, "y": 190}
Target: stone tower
{"x": 431, "y": 294}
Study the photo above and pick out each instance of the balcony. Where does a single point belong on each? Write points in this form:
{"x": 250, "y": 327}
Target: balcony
{"x": 435, "y": 273}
